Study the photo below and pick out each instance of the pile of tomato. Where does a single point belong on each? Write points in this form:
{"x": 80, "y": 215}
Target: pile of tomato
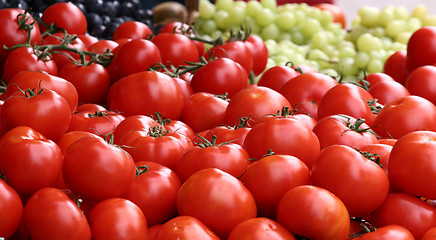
{"x": 163, "y": 136}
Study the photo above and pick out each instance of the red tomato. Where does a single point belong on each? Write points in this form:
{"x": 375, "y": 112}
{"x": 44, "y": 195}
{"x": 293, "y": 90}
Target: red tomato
{"x": 155, "y": 192}
{"x": 102, "y": 46}
{"x": 259, "y": 229}
{"x": 185, "y": 29}
{"x": 337, "y": 12}
{"x": 101, "y": 123}
{"x": 420, "y": 47}
{"x": 300, "y": 141}
{"x": 174, "y": 125}
{"x": 235, "y": 134}
{"x": 40, "y": 80}
{"x": 349, "y": 99}
{"x": 420, "y": 82}
{"x": 360, "y": 183}
{"x": 87, "y": 39}
{"x": 345, "y": 130}
{"x": 270, "y": 177}
{"x": 11, "y": 208}
{"x": 232, "y": 202}
{"x": 306, "y": 91}
{"x": 61, "y": 56}
{"x": 430, "y": 234}
{"x": 175, "y": 49}
{"x": 185, "y": 227}
{"x": 11, "y": 33}
{"x": 185, "y": 86}
{"x": 46, "y": 111}
{"x": 405, "y": 115}
{"x": 316, "y": 213}
{"x": 134, "y": 56}
{"x": 220, "y": 76}
{"x": 200, "y": 103}
{"x": 92, "y": 81}
{"x": 117, "y": 218}
{"x": 407, "y": 211}
{"x": 132, "y": 30}
{"x": 130, "y": 123}
{"x": 254, "y": 102}
{"x": 396, "y": 66}
{"x": 235, "y": 50}
{"x": 145, "y": 93}
{"x": 276, "y": 76}
{"x": 304, "y": 118}
{"x": 67, "y": 16}
{"x": 410, "y": 168}
{"x": 64, "y": 221}
{"x": 259, "y": 52}
{"x": 228, "y": 157}
{"x": 385, "y": 89}
{"x": 24, "y": 58}
{"x": 388, "y": 232}
{"x": 380, "y": 152}
{"x": 97, "y": 170}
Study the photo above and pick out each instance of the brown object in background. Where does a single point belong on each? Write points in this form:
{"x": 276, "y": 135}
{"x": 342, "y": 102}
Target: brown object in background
{"x": 192, "y": 6}
{"x": 170, "y": 11}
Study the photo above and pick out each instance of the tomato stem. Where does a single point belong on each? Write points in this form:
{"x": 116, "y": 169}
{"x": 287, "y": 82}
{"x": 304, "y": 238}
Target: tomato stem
{"x": 141, "y": 169}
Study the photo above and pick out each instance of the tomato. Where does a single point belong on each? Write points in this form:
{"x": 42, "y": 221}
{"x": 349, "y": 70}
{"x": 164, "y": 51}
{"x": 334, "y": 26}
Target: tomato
{"x": 97, "y": 170}
{"x": 275, "y": 77}
{"x": 337, "y": 12}
{"x": 396, "y": 66}
{"x": 348, "y": 99}
{"x": 185, "y": 227}
{"x": 270, "y": 177}
{"x": 175, "y": 49}
{"x": 316, "y": 213}
{"x": 174, "y": 125}
{"x": 65, "y": 15}
{"x": 102, "y": 46}
{"x": 233, "y": 203}
{"x": 283, "y": 136}
{"x": 385, "y": 89}
{"x": 259, "y": 53}
{"x": 345, "y": 130}
{"x": 254, "y": 102}
{"x": 61, "y": 56}
{"x": 228, "y": 157}
{"x": 405, "y": 115}
{"x": 132, "y": 30}
{"x": 185, "y": 86}
{"x": 296, "y": 113}
{"x": 407, "y": 211}
{"x": 145, "y": 93}
{"x": 152, "y": 231}
{"x": 155, "y": 192}
{"x": 24, "y": 58}
{"x": 134, "y": 56}
{"x": 306, "y": 90}
{"x": 101, "y": 123}
{"x": 260, "y": 228}
{"x": 185, "y": 29}
{"x": 46, "y": 111}
{"x": 117, "y": 218}
{"x": 235, "y": 50}
{"x": 11, "y": 208}
{"x": 19, "y": 133}
{"x": 380, "y": 152}
{"x": 93, "y": 107}
{"x": 12, "y": 33}
{"x": 430, "y": 234}
{"x": 132, "y": 123}
{"x": 69, "y": 137}
{"x": 40, "y": 80}
{"x": 387, "y": 233}
{"x": 420, "y": 47}
{"x": 220, "y": 76}
{"x": 410, "y": 168}
{"x": 200, "y": 103}
{"x": 87, "y": 39}
{"x": 420, "y": 82}
{"x": 360, "y": 183}
{"x": 230, "y": 134}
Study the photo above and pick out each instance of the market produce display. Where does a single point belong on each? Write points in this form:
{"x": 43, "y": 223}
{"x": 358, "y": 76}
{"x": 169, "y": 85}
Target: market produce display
{"x": 257, "y": 121}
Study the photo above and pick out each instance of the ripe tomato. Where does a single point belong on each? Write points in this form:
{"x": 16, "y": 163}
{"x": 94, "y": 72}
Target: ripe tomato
{"x": 101, "y": 123}
{"x": 46, "y": 111}
{"x": 11, "y": 208}
{"x": 254, "y": 102}
{"x": 130, "y": 123}
{"x": 260, "y": 228}
{"x": 185, "y": 227}
{"x": 229, "y": 134}
{"x": 420, "y": 47}
{"x": 360, "y": 183}
{"x": 65, "y": 221}
{"x": 145, "y": 93}
{"x": 97, "y": 170}
{"x": 407, "y": 211}
{"x": 65, "y": 15}
{"x": 220, "y": 76}
{"x": 235, "y": 50}
{"x": 174, "y": 125}
{"x": 300, "y": 141}
{"x": 405, "y": 115}
{"x": 69, "y": 137}
{"x": 396, "y": 66}
{"x": 132, "y": 30}
{"x": 185, "y": 29}
{"x": 102, "y": 46}
{"x": 430, "y": 234}
{"x": 270, "y": 177}
{"x": 259, "y": 53}
{"x": 61, "y": 56}
{"x": 420, "y": 82}
{"x": 155, "y": 192}
{"x": 276, "y": 76}
{"x": 117, "y": 218}
{"x": 232, "y": 202}
{"x": 380, "y": 152}
{"x": 388, "y": 232}
{"x": 337, "y": 12}
{"x": 175, "y": 49}
{"x": 306, "y": 90}
{"x": 385, "y": 89}
{"x": 316, "y": 213}
{"x": 410, "y": 168}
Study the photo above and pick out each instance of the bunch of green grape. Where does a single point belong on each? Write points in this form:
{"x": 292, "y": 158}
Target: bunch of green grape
{"x": 303, "y": 34}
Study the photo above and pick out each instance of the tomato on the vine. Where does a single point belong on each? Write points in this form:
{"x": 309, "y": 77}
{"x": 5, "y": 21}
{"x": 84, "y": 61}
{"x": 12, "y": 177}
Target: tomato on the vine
{"x": 132, "y": 30}
{"x": 175, "y": 49}
{"x": 65, "y": 15}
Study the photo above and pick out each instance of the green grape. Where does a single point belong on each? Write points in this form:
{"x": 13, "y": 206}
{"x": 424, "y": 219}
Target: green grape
{"x": 374, "y": 66}
{"x": 310, "y": 27}
{"x": 285, "y": 20}
{"x": 298, "y": 59}
{"x": 208, "y": 27}
{"x": 387, "y": 15}
{"x": 319, "y": 40}
{"x": 206, "y": 9}
{"x": 348, "y": 52}
{"x": 221, "y": 19}
{"x": 361, "y": 59}
{"x": 298, "y": 38}
{"x": 401, "y": 12}
{"x": 253, "y": 8}
{"x": 320, "y": 57}
{"x": 366, "y": 42}
{"x": 403, "y": 37}
{"x": 251, "y": 24}
{"x": 331, "y": 51}
{"x": 225, "y": 5}
{"x": 284, "y": 36}
{"x": 369, "y": 16}
{"x": 280, "y": 60}
{"x": 237, "y": 15}
{"x": 347, "y": 67}
{"x": 330, "y": 72}
{"x": 430, "y": 21}
{"x": 265, "y": 17}
{"x": 414, "y": 24}
{"x": 287, "y": 52}
{"x": 271, "y": 4}
{"x": 270, "y": 63}
{"x": 271, "y": 45}
{"x": 395, "y": 27}
{"x": 420, "y": 11}
{"x": 271, "y": 31}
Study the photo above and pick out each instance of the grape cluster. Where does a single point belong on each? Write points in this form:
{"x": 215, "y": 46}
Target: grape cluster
{"x": 103, "y": 16}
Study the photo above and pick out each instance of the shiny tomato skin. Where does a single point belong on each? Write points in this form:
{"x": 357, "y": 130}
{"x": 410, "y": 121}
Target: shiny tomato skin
{"x": 185, "y": 227}
{"x": 420, "y": 47}
{"x": 276, "y": 76}
{"x": 260, "y": 228}
{"x": 316, "y": 213}
{"x": 235, "y": 50}
{"x": 132, "y": 30}
{"x": 388, "y": 232}
{"x": 396, "y": 66}
{"x": 67, "y": 16}
{"x": 61, "y": 56}
{"x": 175, "y": 49}
{"x": 430, "y": 234}
{"x": 382, "y": 150}
{"x": 228, "y": 134}
{"x": 101, "y": 123}
{"x": 130, "y": 123}
{"x": 388, "y": 90}
{"x": 259, "y": 53}
{"x": 232, "y": 202}
{"x": 420, "y": 82}
{"x": 11, "y": 208}
{"x": 65, "y": 220}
